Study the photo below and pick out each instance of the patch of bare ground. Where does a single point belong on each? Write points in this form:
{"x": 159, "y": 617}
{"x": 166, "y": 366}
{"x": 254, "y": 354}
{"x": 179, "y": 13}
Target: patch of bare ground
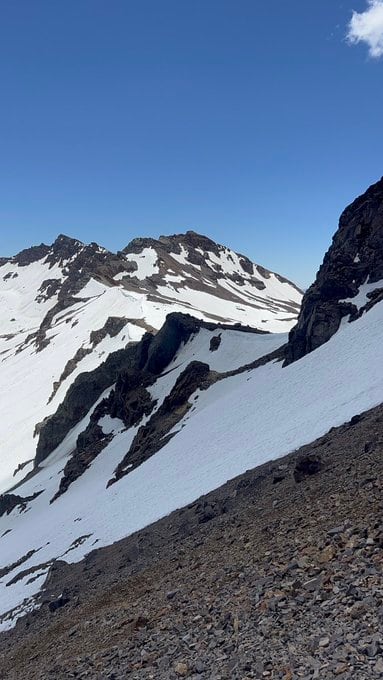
{"x": 277, "y": 574}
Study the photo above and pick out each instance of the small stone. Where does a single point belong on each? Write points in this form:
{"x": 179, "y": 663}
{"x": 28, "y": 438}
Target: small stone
{"x": 324, "y": 642}
{"x": 336, "y": 530}
{"x": 145, "y": 656}
{"x": 199, "y": 666}
{"x": 313, "y": 584}
{"x": 171, "y": 594}
{"x": 341, "y": 668}
{"x": 181, "y": 669}
{"x": 327, "y": 554}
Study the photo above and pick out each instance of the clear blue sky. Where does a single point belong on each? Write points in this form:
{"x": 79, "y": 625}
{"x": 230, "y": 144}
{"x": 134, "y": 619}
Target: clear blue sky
{"x": 252, "y": 122}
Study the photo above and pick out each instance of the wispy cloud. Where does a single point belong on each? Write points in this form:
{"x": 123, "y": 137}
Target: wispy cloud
{"x": 367, "y": 27}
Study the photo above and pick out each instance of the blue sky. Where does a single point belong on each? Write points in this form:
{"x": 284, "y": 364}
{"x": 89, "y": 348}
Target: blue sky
{"x": 252, "y": 122}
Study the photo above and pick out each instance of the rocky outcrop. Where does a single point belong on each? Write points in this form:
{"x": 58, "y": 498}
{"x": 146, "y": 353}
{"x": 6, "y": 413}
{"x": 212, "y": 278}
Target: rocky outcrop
{"x": 30, "y": 255}
{"x": 82, "y": 458}
{"x": 158, "y": 431}
{"x": 83, "y": 394}
{"x": 131, "y": 371}
{"x": 354, "y": 258}
{"x": 10, "y": 501}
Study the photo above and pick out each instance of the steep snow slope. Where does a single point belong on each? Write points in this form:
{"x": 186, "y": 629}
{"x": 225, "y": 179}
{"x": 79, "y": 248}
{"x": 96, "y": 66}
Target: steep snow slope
{"x": 64, "y": 308}
{"x": 237, "y": 423}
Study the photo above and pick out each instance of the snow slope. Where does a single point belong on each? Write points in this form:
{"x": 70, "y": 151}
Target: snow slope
{"x": 236, "y": 424}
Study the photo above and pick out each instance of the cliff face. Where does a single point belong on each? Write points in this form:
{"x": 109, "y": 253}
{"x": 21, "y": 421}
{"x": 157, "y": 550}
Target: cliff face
{"x": 354, "y": 259}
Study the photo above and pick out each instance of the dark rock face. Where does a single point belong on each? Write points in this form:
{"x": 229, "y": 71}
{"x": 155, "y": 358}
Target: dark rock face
{"x": 132, "y": 370}
{"x": 29, "y": 255}
{"x": 83, "y": 393}
{"x": 9, "y": 501}
{"x": 156, "y": 433}
{"x": 355, "y": 256}
{"x": 87, "y": 449}
{"x": 177, "y": 329}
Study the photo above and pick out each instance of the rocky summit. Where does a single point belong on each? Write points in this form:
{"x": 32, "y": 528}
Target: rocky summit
{"x": 191, "y": 463}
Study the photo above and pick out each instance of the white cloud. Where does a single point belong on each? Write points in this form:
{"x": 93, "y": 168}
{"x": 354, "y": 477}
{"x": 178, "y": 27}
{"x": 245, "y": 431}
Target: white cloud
{"x": 367, "y": 27}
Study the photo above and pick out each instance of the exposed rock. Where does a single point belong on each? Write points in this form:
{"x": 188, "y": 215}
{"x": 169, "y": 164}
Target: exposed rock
{"x": 84, "y": 392}
{"x": 30, "y": 255}
{"x": 157, "y": 431}
{"x": 131, "y": 371}
{"x": 58, "y": 603}
{"x": 9, "y": 501}
{"x": 306, "y": 467}
{"x": 355, "y": 257}
{"x": 48, "y": 289}
{"x": 85, "y": 452}
{"x": 215, "y": 342}
{"x": 21, "y": 466}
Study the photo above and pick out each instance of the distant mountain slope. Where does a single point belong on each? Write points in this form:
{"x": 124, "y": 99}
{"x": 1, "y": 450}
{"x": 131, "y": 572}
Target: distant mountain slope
{"x": 64, "y": 308}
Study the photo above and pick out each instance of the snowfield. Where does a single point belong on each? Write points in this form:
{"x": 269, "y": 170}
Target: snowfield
{"x": 237, "y": 424}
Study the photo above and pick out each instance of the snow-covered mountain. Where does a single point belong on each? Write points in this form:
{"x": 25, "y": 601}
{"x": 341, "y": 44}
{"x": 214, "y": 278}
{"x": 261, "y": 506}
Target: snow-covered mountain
{"x": 64, "y": 308}
{"x": 176, "y": 414}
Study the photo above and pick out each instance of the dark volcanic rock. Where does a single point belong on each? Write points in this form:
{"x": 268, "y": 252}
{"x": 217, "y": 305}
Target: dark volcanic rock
{"x": 355, "y": 256}
{"x": 131, "y": 370}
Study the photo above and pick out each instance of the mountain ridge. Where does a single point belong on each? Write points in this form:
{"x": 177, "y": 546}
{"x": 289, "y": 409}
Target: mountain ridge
{"x": 189, "y": 407}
